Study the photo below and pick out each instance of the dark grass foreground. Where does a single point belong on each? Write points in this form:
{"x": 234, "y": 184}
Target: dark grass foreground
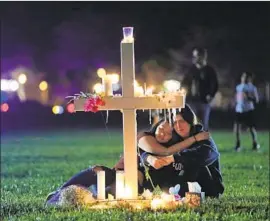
{"x": 33, "y": 164}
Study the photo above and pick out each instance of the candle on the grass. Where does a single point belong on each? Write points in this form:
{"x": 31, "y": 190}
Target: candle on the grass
{"x": 120, "y": 184}
{"x": 101, "y": 185}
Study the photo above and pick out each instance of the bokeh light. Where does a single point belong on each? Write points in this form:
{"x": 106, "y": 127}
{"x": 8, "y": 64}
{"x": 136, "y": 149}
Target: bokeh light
{"x": 22, "y": 78}
{"x": 98, "y": 88}
{"x": 4, "y": 107}
{"x": 70, "y": 108}
{"x": 43, "y": 86}
{"x": 13, "y": 85}
{"x": 149, "y": 90}
{"x": 101, "y": 72}
{"x": 57, "y": 109}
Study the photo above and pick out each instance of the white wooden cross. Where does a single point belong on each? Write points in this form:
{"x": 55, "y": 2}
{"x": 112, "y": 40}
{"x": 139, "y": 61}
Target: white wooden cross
{"x": 128, "y": 103}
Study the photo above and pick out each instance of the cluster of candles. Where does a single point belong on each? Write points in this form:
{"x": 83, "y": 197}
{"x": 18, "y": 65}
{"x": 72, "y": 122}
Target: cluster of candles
{"x": 172, "y": 87}
{"x": 122, "y": 190}
{"x": 107, "y": 82}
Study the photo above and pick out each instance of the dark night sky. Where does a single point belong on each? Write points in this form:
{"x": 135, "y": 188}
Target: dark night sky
{"x": 158, "y": 25}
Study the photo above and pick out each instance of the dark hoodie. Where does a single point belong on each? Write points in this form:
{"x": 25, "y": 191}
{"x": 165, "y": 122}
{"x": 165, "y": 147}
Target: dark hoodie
{"x": 199, "y": 163}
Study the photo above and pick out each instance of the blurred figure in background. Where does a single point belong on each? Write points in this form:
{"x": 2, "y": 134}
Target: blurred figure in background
{"x": 246, "y": 97}
{"x": 201, "y": 85}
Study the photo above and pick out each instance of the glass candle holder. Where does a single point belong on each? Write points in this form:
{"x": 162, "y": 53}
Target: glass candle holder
{"x": 128, "y": 33}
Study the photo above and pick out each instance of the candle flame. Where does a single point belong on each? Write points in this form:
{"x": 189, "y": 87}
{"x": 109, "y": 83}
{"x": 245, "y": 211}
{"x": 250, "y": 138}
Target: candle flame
{"x": 157, "y": 203}
{"x": 98, "y": 88}
{"x": 114, "y": 78}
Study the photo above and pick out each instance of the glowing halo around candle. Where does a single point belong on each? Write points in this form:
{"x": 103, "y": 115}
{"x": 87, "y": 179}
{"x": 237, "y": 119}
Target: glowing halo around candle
{"x": 101, "y": 72}
{"x": 157, "y": 203}
{"x": 114, "y": 78}
{"x": 127, "y": 192}
{"x": 98, "y": 88}
{"x": 139, "y": 91}
{"x": 172, "y": 85}
{"x": 149, "y": 90}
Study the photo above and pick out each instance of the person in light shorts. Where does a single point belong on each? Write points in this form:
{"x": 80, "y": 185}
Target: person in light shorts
{"x": 246, "y": 98}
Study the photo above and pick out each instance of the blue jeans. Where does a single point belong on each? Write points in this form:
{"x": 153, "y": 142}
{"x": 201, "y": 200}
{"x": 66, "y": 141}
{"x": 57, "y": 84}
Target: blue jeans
{"x": 202, "y": 110}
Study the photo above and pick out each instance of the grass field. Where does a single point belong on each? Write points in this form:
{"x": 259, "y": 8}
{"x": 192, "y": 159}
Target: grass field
{"x": 33, "y": 164}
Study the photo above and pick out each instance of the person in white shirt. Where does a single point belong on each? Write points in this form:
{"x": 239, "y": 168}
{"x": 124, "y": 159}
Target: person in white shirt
{"x": 246, "y": 97}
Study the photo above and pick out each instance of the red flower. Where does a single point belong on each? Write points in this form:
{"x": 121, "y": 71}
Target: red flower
{"x": 91, "y": 104}
{"x": 94, "y": 109}
{"x": 100, "y": 102}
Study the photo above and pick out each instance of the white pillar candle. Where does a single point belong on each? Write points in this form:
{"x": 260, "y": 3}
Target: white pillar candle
{"x": 144, "y": 89}
{"x": 108, "y": 86}
{"x": 120, "y": 184}
{"x": 101, "y": 185}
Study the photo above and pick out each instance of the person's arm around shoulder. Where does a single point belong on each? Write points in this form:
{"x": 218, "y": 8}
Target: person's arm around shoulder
{"x": 150, "y": 144}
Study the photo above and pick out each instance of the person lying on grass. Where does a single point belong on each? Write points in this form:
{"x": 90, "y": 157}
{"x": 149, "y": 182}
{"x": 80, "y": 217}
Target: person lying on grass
{"x": 197, "y": 163}
{"x": 88, "y": 177}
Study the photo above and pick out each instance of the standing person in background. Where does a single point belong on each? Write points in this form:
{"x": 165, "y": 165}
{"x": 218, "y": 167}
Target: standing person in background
{"x": 246, "y": 97}
{"x": 201, "y": 85}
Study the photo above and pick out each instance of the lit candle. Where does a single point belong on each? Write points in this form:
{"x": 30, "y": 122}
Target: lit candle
{"x": 167, "y": 197}
{"x": 139, "y": 91}
{"x": 120, "y": 184}
{"x": 127, "y": 193}
{"x": 157, "y": 203}
{"x": 107, "y": 84}
{"x": 101, "y": 185}
{"x": 144, "y": 88}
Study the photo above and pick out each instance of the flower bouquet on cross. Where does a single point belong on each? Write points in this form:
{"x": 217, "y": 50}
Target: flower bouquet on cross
{"x": 92, "y": 103}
